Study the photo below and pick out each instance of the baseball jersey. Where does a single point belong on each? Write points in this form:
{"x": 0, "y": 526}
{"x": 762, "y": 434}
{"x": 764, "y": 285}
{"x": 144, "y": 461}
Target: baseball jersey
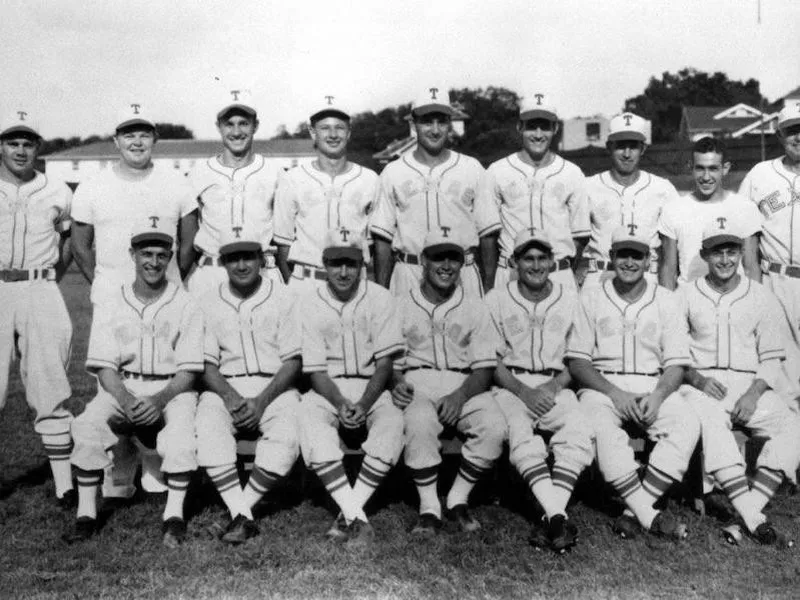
{"x": 414, "y": 199}
{"x": 457, "y": 334}
{"x": 685, "y": 220}
{"x": 161, "y": 337}
{"x": 32, "y": 218}
{"x": 112, "y": 204}
{"x": 309, "y": 203}
{"x": 534, "y": 334}
{"x": 644, "y": 337}
{"x": 346, "y": 338}
{"x": 637, "y": 206}
{"x": 551, "y": 198}
{"x": 254, "y": 335}
{"x": 232, "y": 197}
{"x": 775, "y": 190}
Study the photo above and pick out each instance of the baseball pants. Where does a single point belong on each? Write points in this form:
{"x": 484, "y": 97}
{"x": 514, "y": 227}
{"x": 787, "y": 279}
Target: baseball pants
{"x": 406, "y": 277}
{"x": 787, "y": 289}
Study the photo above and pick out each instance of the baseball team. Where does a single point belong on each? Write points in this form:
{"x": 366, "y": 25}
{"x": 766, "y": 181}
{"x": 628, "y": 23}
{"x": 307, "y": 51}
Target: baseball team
{"x": 523, "y": 305}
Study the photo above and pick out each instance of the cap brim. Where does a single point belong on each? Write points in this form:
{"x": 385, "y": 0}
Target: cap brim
{"x": 538, "y": 114}
{"x": 242, "y": 107}
{"x": 19, "y": 129}
{"x": 338, "y": 253}
{"x": 329, "y": 112}
{"x": 427, "y": 109}
{"x": 243, "y": 246}
{"x": 157, "y": 237}
{"x": 789, "y": 122}
{"x": 541, "y": 244}
{"x": 620, "y": 136}
{"x": 630, "y": 245}
{"x": 443, "y": 247}
{"x": 132, "y": 122}
{"x": 722, "y": 238}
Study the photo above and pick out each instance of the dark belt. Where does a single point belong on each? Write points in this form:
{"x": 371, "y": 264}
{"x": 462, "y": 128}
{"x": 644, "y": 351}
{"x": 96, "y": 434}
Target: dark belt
{"x": 558, "y": 265}
{"x": 466, "y": 371}
{"x": 318, "y": 274}
{"x": 140, "y": 377}
{"x": 238, "y": 375}
{"x": 413, "y": 259}
{"x": 343, "y": 376}
{"x": 207, "y": 261}
{"x": 521, "y": 371}
{"x": 653, "y": 374}
{"x": 11, "y": 275}
{"x": 788, "y": 270}
{"x": 596, "y": 264}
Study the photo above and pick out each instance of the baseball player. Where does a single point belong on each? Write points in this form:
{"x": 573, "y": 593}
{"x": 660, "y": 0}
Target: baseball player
{"x": 34, "y": 222}
{"x": 627, "y": 353}
{"x": 682, "y": 222}
{"x": 774, "y": 187}
{"x": 252, "y": 354}
{"x": 328, "y": 193}
{"x": 146, "y": 347}
{"x": 451, "y": 355}
{"x": 737, "y": 352}
{"x": 433, "y": 189}
{"x": 536, "y": 188}
{"x": 623, "y": 195}
{"x": 234, "y": 189}
{"x": 534, "y": 316}
{"x": 351, "y": 335}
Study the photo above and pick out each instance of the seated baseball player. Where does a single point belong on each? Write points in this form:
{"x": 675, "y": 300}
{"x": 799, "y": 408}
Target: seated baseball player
{"x": 350, "y": 337}
{"x": 737, "y": 356}
{"x": 146, "y": 347}
{"x": 252, "y": 358}
{"x": 534, "y": 316}
{"x": 627, "y": 352}
{"x": 451, "y": 355}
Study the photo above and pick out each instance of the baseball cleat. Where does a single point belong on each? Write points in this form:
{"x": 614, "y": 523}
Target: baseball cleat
{"x": 626, "y": 527}
{"x": 766, "y": 535}
{"x": 338, "y": 530}
{"x": 463, "y": 518}
{"x": 668, "y": 527}
{"x": 360, "y": 535}
{"x": 69, "y": 501}
{"x": 562, "y": 534}
{"x": 538, "y": 537}
{"x": 173, "y": 532}
{"x": 240, "y": 530}
{"x": 84, "y": 528}
{"x": 426, "y": 526}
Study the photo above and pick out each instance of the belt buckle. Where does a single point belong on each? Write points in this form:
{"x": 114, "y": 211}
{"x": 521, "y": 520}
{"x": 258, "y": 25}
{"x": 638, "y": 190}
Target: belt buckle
{"x": 593, "y": 268}
{"x": 765, "y": 265}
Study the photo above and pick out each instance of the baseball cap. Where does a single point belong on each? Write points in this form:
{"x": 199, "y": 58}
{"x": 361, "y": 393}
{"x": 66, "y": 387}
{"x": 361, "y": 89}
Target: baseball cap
{"x": 432, "y": 100}
{"x": 236, "y": 240}
{"x": 329, "y": 108}
{"x": 343, "y": 243}
{"x": 133, "y": 114}
{"x": 716, "y": 233}
{"x": 537, "y": 107}
{"x": 627, "y": 126}
{"x": 442, "y": 240}
{"x": 790, "y": 115}
{"x": 531, "y": 237}
{"x": 19, "y": 121}
{"x": 239, "y": 99}
{"x": 151, "y": 230}
{"x": 622, "y": 238}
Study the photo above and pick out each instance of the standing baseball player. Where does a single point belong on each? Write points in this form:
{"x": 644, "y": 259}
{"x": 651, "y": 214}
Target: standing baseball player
{"x": 328, "y": 193}
{"x": 234, "y": 189}
{"x": 682, "y": 222}
{"x": 737, "y": 352}
{"x": 34, "y": 222}
{"x": 433, "y": 189}
{"x": 623, "y": 195}
{"x": 627, "y": 353}
{"x": 146, "y": 347}
{"x": 537, "y": 189}
{"x": 534, "y": 316}
{"x": 252, "y": 356}
{"x": 351, "y": 335}
{"x": 452, "y": 348}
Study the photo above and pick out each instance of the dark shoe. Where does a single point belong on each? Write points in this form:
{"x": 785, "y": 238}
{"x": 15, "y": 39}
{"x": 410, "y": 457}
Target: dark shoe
{"x": 626, "y": 527}
{"x": 766, "y": 535}
{"x": 360, "y": 535}
{"x": 173, "y": 532}
{"x": 667, "y": 526}
{"x": 426, "y": 526}
{"x": 563, "y": 535}
{"x": 240, "y": 530}
{"x": 84, "y": 528}
{"x": 462, "y": 517}
{"x": 538, "y": 537}
{"x": 69, "y": 501}
{"x": 338, "y": 530}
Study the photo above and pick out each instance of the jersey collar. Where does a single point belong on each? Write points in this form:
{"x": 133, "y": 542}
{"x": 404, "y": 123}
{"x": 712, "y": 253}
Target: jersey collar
{"x": 412, "y": 162}
{"x": 263, "y": 292}
{"x": 429, "y": 307}
{"x": 519, "y": 164}
{"x": 230, "y": 172}
{"x": 740, "y": 291}
{"x": 555, "y": 296}
{"x": 169, "y": 293}
{"x": 621, "y": 303}
{"x": 324, "y": 292}
{"x": 644, "y": 180}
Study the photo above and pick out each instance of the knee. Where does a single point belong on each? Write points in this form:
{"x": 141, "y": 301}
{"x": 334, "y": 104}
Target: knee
{"x": 420, "y": 417}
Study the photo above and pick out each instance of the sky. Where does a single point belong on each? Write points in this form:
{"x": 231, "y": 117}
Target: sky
{"x": 76, "y": 63}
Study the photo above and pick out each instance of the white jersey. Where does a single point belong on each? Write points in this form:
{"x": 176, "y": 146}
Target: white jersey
{"x": 457, "y": 334}
{"x": 233, "y": 197}
{"x": 534, "y": 334}
{"x": 346, "y": 338}
{"x": 637, "y": 206}
{"x": 641, "y": 337}
{"x": 158, "y": 338}
{"x": 415, "y": 199}
{"x": 551, "y": 198}
{"x": 254, "y": 335}
{"x": 685, "y": 220}
{"x": 32, "y": 218}
{"x": 309, "y": 203}
{"x": 776, "y": 192}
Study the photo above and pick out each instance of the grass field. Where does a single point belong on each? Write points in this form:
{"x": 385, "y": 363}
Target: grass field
{"x": 291, "y": 560}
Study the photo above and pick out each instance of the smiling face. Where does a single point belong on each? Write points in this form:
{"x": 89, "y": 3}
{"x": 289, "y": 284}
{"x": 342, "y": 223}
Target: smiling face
{"x": 625, "y": 156}
{"x": 18, "y": 154}
{"x": 708, "y": 170}
{"x": 433, "y": 130}
{"x": 790, "y": 138}
{"x": 237, "y": 129}
{"x": 135, "y": 145}
{"x": 537, "y": 136}
{"x": 442, "y": 269}
{"x": 151, "y": 260}
{"x": 533, "y": 267}
{"x": 630, "y": 265}
{"x": 723, "y": 261}
{"x": 244, "y": 268}
{"x": 344, "y": 274}
{"x": 331, "y": 136}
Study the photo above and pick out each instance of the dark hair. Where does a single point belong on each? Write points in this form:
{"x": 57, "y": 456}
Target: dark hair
{"x": 710, "y": 144}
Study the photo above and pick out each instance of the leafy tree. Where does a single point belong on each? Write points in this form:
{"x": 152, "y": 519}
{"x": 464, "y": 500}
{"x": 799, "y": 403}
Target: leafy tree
{"x": 172, "y": 131}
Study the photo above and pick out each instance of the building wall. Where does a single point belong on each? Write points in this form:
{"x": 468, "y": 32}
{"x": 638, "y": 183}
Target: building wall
{"x": 581, "y": 132}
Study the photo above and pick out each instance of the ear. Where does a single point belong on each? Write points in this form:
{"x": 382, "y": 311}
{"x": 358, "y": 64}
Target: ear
{"x": 116, "y": 142}
{"x": 726, "y": 166}
{"x": 256, "y": 123}
{"x": 555, "y": 127}
{"x": 132, "y": 253}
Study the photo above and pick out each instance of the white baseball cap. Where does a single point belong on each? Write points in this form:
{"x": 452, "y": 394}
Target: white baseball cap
{"x": 623, "y": 238}
{"x": 19, "y": 121}
{"x": 443, "y": 239}
{"x": 432, "y": 100}
{"x": 790, "y": 115}
{"x": 717, "y": 233}
{"x": 627, "y": 126}
{"x": 329, "y": 107}
{"x": 537, "y": 107}
{"x": 152, "y": 229}
{"x": 237, "y": 239}
{"x": 133, "y": 113}
{"x": 237, "y": 98}
{"x": 531, "y": 237}
{"x": 343, "y": 243}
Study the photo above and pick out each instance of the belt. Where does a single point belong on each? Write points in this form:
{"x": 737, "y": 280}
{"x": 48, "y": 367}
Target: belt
{"x": 312, "y": 272}
{"x": 238, "y": 375}
{"x": 466, "y": 371}
{"x": 343, "y": 376}
{"x": 413, "y": 259}
{"x": 558, "y": 265}
{"x": 788, "y": 270}
{"x": 207, "y": 261}
{"x": 10, "y": 275}
{"x": 521, "y": 371}
{"x": 653, "y": 374}
{"x": 140, "y": 377}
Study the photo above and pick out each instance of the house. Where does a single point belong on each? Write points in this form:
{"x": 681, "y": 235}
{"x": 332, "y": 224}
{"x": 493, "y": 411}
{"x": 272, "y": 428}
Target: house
{"x": 588, "y": 132}
{"x": 76, "y": 164}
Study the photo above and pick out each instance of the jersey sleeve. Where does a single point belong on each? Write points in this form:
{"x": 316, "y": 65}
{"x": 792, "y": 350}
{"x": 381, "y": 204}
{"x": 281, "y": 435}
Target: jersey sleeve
{"x": 290, "y": 331}
{"x": 285, "y": 211}
{"x": 63, "y": 221}
{"x": 388, "y": 330}
{"x": 187, "y": 202}
{"x": 667, "y": 225}
{"x": 492, "y": 301}
{"x": 751, "y": 219}
{"x": 313, "y": 345}
{"x": 675, "y": 340}
{"x": 485, "y": 341}
{"x": 189, "y": 349}
{"x": 485, "y": 209}
{"x": 383, "y": 220}
{"x": 103, "y": 352}
{"x": 83, "y": 204}
{"x": 581, "y": 342}
{"x": 211, "y": 345}
{"x": 578, "y": 206}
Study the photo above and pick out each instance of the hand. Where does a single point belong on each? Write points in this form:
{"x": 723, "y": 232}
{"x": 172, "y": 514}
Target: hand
{"x": 245, "y": 416}
{"x": 450, "y": 408}
{"x": 648, "y": 409}
{"x": 744, "y": 408}
{"x": 540, "y": 399}
{"x": 144, "y": 412}
{"x": 626, "y": 404}
{"x": 403, "y": 394}
{"x": 351, "y": 416}
{"x": 712, "y": 387}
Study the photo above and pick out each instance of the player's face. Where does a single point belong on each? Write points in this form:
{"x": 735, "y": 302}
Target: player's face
{"x": 790, "y": 138}
{"x": 151, "y": 263}
{"x": 442, "y": 269}
{"x": 723, "y": 261}
{"x": 433, "y": 130}
{"x": 237, "y": 130}
{"x": 244, "y": 268}
{"x": 344, "y": 275}
{"x": 630, "y": 265}
{"x": 708, "y": 171}
{"x": 136, "y": 146}
{"x": 19, "y": 155}
{"x": 625, "y": 156}
{"x": 537, "y": 135}
{"x": 533, "y": 267}
{"x": 331, "y": 135}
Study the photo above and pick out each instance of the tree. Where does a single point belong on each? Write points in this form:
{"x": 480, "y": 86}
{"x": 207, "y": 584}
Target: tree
{"x": 663, "y": 99}
{"x": 172, "y": 131}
